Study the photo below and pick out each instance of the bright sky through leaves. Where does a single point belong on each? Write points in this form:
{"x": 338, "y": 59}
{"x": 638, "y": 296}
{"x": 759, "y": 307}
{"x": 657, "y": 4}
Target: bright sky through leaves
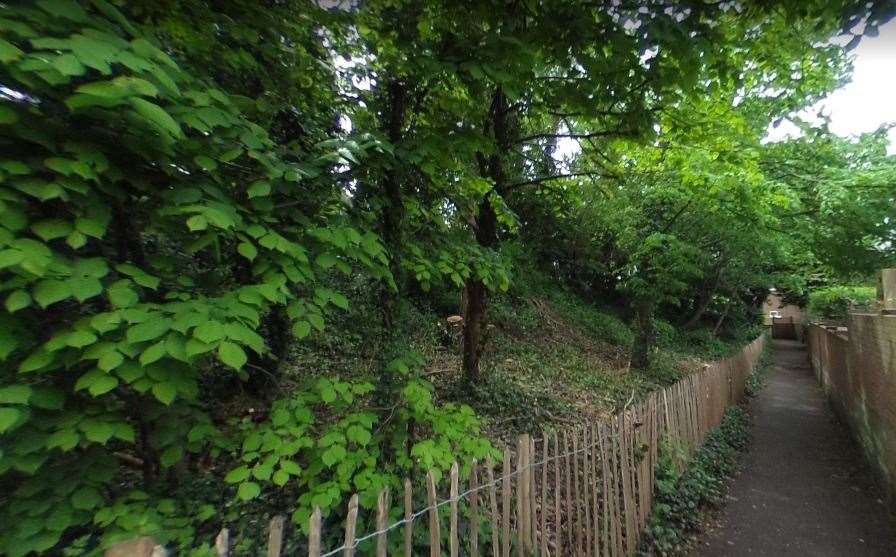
{"x": 865, "y": 103}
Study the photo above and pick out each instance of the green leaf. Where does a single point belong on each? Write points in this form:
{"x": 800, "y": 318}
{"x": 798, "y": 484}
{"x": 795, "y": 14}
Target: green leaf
{"x": 80, "y": 339}
{"x": 9, "y": 257}
{"x": 339, "y": 300}
{"x": 280, "y": 478}
{"x": 333, "y": 455}
{"x": 196, "y": 223}
{"x": 194, "y": 347}
{"x": 68, "y": 64}
{"x": 237, "y": 475}
{"x": 8, "y": 418}
{"x": 171, "y": 456}
{"x": 97, "y": 431}
{"x": 9, "y": 52}
{"x": 84, "y": 288}
{"x": 87, "y": 498}
{"x": 248, "y": 490}
{"x": 122, "y": 295}
{"x": 68, "y": 9}
{"x": 8, "y": 115}
{"x": 48, "y": 398}
{"x": 209, "y": 332}
{"x": 259, "y": 189}
{"x": 358, "y": 434}
{"x": 148, "y": 330}
{"x": 301, "y": 329}
{"x": 156, "y": 115}
{"x": 50, "y": 291}
{"x": 102, "y": 385}
{"x": 153, "y": 353}
{"x": 232, "y": 355}
{"x": 38, "y": 359}
{"x": 65, "y": 439}
{"x": 15, "y": 394}
{"x": 247, "y": 250}
{"x": 165, "y": 392}
{"x": 90, "y": 227}
{"x": 19, "y": 299}
{"x": 290, "y": 467}
{"x": 316, "y": 320}
{"x": 51, "y": 229}
{"x": 205, "y": 163}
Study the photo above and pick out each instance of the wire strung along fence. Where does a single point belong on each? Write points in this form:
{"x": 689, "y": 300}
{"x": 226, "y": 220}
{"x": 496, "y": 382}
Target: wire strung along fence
{"x": 584, "y": 491}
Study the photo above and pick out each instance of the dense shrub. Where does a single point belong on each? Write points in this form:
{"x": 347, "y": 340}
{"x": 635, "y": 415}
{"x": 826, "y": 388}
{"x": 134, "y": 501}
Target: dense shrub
{"x": 834, "y": 302}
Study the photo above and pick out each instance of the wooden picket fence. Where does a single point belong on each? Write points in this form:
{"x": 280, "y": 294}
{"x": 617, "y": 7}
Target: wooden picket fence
{"x": 585, "y": 491}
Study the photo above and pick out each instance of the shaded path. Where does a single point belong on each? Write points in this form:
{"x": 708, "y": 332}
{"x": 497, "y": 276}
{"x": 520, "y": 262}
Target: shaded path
{"x": 803, "y": 488}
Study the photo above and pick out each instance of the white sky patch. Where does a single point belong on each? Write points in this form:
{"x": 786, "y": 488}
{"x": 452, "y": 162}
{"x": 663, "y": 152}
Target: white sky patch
{"x": 866, "y": 102}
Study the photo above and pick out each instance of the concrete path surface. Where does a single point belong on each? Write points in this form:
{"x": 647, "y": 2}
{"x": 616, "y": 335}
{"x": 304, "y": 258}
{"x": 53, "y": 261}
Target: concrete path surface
{"x": 803, "y": 488}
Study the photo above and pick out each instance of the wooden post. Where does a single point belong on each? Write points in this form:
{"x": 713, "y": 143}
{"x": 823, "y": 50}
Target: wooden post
{"x": 586, "y": 489}
{"x": 493, "y": 506}
{"x": 543, "y": 507}
{"x": 350, "y": 522}
{"x": 522, "y": 492}
{"x": 275, "y": 536}
{"x": 577, "y": 508}
{"x": 408, "y": 521}
{"x": 887, "y": 290}
{"x": 435, "y": 533}
{"x": 474, "y": 509}
{"x": 314, "y": 534}
{"x": 141, "y": 547}
{"x": 506, "y": 487}
{"x": 382, "y": 515}
{"x": 557, "y": 497}
{"x": 570, "y": 523}
{"x": 453, "y": 542}
{"x": 222, "y": 543}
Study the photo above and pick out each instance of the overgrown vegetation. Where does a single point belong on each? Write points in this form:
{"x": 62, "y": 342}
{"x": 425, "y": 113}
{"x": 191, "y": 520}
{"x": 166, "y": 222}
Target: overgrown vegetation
{"x": 257, "y": 257}
{"x": 835, "y": 302}
{"x": 687, "y": 488}
{"x": 681, "y": 497}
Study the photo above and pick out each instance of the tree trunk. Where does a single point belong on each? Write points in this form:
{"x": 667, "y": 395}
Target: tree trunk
{"x": 721, "y": 319}
{"x": 393, "y": 209}
{"x": 474, "y": 320}
{"x": 645, "y": 337}
{"x": 485, "y": 227}
{"x": 704, "y": 300}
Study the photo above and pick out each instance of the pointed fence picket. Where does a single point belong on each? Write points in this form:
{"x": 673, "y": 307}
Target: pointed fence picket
{"x": 589, "y": 495}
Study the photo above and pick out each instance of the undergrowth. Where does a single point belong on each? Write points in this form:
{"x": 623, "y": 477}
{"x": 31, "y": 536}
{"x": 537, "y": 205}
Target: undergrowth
{"x": 686, "y": 490}
{"x": 681, "y": 497}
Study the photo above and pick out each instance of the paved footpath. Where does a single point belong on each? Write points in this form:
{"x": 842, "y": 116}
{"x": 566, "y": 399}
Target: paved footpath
{"x": 803, "y": 488}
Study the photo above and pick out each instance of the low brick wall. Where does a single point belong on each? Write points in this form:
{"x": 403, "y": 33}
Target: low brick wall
{"x": 857, "y": 370}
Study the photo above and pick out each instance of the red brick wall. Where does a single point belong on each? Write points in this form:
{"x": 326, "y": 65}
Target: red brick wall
{"x": 858, "y": 372}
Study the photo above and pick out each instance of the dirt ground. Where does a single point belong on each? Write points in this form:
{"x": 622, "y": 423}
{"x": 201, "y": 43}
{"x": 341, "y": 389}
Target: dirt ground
{"x": 803, "y": 488}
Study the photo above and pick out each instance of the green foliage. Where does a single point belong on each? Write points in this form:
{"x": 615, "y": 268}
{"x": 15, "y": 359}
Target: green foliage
{"x": 835, "y": 302}
{"x": 759, "y": 375}
{"x": 230, "y": 235}
{"x": 143, "y": 243}
{"x": 681, "y": 497}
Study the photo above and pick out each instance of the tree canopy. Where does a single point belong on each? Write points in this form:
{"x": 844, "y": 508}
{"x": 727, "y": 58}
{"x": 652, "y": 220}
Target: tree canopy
{"x": 190, "y": 189}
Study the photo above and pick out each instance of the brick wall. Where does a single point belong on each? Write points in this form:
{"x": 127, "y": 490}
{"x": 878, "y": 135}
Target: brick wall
{"x": 858, "y": 372}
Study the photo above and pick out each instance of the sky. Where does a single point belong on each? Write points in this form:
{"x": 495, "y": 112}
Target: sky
{"x": 868, "y": 101}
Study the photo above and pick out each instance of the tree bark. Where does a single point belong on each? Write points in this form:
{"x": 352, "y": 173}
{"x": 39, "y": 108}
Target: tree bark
{"x": 485, "y": 227}
{"x": 704, "y": 300}
{"x": 393, "y": 209}
{"x": 645, "y": 337}
{"x": 721, "y": 319}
